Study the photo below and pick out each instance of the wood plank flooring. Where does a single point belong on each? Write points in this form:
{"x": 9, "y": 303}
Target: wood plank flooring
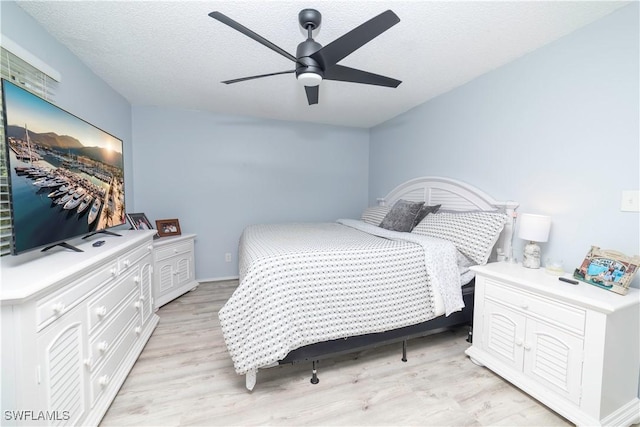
{"x": 185, "y": 376}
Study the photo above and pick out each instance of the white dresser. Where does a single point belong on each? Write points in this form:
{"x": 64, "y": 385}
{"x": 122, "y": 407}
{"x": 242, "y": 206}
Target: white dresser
{"x": 575, "y": 348}
{"x": 73, "y": 325}
{"x": 173, "y": 267}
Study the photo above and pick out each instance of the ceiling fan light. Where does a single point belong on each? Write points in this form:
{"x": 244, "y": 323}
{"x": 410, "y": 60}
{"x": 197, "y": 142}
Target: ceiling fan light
{"x": 309, "y": 79}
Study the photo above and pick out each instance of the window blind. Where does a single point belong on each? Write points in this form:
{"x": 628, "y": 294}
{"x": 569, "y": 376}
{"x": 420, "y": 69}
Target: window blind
{"x": 27, "y": 76}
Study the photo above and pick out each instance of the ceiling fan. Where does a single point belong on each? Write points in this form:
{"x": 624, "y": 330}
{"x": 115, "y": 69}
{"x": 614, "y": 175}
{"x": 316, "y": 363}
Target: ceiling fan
{"x": 315, "y": 63}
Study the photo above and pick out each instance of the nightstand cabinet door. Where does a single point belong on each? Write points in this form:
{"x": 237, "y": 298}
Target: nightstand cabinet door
{"x": 504, "y": 334}
{"x": 553, "y": 358}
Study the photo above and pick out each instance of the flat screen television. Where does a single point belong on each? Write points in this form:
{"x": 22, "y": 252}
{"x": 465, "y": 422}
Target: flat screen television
{"x": 66, "y": 176}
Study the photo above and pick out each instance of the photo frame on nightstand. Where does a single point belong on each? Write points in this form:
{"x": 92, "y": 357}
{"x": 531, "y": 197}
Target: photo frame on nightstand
{"x": 608, "y": 269}
{"x": 168, "y": 227}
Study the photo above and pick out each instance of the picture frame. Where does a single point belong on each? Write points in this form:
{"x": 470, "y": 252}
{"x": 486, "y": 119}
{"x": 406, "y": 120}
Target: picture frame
{"x": 139, "y": 221}
{"x": 608, "y": 269}
{"x": 168, "y": 227}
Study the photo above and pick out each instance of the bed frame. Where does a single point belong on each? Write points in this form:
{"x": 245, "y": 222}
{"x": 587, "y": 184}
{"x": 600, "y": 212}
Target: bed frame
{"x": 452, "y": 195}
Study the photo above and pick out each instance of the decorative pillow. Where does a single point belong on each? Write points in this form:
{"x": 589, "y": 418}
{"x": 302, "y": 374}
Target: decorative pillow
{"x": 473, "y": 233}
{"x": 424, "y": 211}
{"x": 375, "y": 214}
{"x": 402, "y": 216}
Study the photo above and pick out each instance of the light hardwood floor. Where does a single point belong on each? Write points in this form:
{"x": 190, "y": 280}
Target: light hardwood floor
{"x": 185, "y": 377}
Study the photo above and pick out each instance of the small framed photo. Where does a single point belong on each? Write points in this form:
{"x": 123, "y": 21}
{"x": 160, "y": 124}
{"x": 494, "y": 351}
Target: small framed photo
{"x": 168, "y": 227}
{"x": 608, "y": 269}
{"x": 139, "y": 221}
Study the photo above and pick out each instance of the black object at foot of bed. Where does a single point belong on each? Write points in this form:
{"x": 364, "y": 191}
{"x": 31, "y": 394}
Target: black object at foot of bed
{"x": 328, "y": 349}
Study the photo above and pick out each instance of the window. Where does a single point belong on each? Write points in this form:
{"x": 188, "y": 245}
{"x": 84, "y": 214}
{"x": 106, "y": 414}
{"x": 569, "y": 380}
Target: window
{"x": 29, "y": 77}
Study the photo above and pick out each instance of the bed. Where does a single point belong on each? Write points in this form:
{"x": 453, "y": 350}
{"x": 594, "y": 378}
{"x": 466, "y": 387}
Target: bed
{"x": 309, "y": 291}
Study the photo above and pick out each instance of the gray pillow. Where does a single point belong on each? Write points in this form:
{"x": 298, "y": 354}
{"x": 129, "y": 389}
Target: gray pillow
{"x": 402, "y": 216}
{"x": 424, "y": 211}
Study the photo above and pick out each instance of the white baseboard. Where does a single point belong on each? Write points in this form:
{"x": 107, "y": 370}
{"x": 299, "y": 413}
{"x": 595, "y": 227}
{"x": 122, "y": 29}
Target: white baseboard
{"x": 217, "y": 279}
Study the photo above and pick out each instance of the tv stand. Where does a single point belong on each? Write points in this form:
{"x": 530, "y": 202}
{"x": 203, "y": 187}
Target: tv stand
{"x": 110, "y": 233}
{"x": 64, "y": 245}
{"x": 72, "y": 326}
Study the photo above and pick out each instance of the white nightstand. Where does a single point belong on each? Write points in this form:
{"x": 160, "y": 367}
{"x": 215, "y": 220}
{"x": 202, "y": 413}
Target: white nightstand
{"x": 173, "y": 268}
{"x": 575, "y": 348}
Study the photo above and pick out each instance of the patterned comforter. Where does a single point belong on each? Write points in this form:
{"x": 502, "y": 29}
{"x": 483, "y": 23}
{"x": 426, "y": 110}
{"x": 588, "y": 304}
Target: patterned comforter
{"x": 312, "y": 282}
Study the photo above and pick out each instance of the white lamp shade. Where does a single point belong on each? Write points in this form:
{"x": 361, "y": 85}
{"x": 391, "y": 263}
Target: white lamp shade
{"x": 534, "y": 228}
{"x": 309, "y": 79}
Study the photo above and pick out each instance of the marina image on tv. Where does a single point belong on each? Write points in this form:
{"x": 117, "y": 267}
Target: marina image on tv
{"x": 67, "y": 176}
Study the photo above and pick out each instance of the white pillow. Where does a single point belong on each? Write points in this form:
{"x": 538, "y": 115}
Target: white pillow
{"x": 375, "y": 214}
{"x": 473, "y": 233}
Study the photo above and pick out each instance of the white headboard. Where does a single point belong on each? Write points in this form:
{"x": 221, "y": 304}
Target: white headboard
{"x": 454, "y": 195}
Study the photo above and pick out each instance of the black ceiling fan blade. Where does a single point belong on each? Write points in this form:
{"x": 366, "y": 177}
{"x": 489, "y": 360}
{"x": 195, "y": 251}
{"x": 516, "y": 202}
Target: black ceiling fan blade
{"x": 242, "y": 79}
{"x": 341, "y": 47}
{"x": 312, "y": 94}
{"x": 247, "y": 32}
{"x": 352, "y": 75}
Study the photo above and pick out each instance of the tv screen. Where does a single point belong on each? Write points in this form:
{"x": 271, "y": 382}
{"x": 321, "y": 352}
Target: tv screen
{"x": 66, "y": 176}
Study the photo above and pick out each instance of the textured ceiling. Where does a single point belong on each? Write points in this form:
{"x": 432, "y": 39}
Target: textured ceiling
{"x": 171, "y": 53}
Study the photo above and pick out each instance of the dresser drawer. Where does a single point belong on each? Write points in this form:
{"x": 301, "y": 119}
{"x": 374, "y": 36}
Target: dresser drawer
{"x": 101, "y": 308}
{"x": 105, "y": 376}
{"x": 49, "y": 308}
{"x": 102, "y": 344}
{"x": 568, "y": 316}
{"x": 174, "y": 249}
{"x": 134, "y": 256}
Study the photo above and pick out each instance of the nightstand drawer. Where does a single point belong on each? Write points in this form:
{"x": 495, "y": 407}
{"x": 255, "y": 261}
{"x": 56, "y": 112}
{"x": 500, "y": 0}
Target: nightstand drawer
{"x": 567, "y": 316}
{"x": 175, "y": 249}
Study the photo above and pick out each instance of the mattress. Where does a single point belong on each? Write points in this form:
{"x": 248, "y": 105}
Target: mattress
{"x": 311, "y": 282}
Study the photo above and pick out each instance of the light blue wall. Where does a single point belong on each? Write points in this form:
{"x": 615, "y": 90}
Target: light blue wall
{"x": 81, "y": 92}
{"x": 556, "y": 130}
{"x": 217, "y": 174}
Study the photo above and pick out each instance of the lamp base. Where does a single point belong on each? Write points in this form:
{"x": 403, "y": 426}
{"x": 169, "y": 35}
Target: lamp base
{"x": 531, "y": 256}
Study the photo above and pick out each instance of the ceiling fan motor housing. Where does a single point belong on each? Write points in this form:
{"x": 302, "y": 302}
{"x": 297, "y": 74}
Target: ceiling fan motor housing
{"x": 306, "y": 64}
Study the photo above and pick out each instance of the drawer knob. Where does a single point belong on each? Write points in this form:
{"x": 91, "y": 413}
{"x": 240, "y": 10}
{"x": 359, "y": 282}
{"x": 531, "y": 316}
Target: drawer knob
{"x": 136, "y": 279}
{"x": 88, "y": 362}
{"x": 127, "y": 263}
{"x": 175, "y": 250}
{"x": 103, "y": 346}
{"x": 58, "y": 308}
{"x": 138, "y": 330}
{"x": 527, "y": 346}
{"x": 150, "y": 248}
{"x": 114, "y": 272}
{"x": 524, "y": 305}
{"x": 101, "y": 311}
{"x": 519, "y": 342}
{"x": 137, "y": 304}
{"x": 103, "y": 380}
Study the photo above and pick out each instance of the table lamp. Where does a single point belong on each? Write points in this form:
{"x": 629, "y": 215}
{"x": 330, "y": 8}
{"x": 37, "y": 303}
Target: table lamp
{"x": 534, "y": 228}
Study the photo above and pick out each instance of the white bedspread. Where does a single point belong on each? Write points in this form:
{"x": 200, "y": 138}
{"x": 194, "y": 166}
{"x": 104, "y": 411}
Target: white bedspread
{"x": 312, "y": 282}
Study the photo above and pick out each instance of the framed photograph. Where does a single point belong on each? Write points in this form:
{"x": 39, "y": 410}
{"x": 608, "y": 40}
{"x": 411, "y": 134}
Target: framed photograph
{"x": 168, "y": 227}
{"x": 139, "y": 221}
{"x": 608, "y": 269}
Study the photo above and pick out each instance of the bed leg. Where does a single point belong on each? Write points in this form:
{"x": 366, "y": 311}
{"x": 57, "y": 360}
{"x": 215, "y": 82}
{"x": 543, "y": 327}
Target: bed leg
{"x": 404, "y": 350}
{"x": 470, "y": 335}
{"x": 314, "y": 376}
